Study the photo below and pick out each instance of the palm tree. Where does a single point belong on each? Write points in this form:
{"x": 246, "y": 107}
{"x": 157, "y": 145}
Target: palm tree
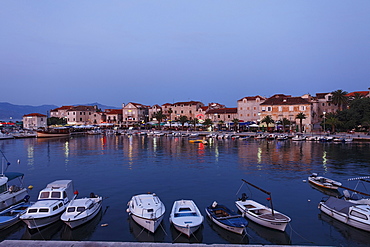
{"x": 220, "y": 123}
{"x": 236, "y": 123}
{"x": 268, "y": 120}
{"x": 332, "y": 120}
{"x": 159, "y": 116}
{"x": 183, "y": 120}
{"x": 194, "y": 122}
{"x": 207, "y": 122}
{"x": 170, "y": 112}
{"x": 300, "y": 116}
{"x": 339, "y": 98}
{"x": 285, "y": 122}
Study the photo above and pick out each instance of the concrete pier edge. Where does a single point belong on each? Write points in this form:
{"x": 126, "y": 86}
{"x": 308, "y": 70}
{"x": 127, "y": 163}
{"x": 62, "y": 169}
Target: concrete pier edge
{"x": 48, "y": 243}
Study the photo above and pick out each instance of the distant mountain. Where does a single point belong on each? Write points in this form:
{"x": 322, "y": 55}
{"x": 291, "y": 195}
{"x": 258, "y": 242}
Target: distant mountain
{"x": 16, "y": 112}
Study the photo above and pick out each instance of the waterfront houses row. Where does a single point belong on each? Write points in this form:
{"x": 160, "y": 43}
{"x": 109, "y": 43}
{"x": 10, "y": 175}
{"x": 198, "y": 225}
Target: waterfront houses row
{"x": 250, "y": 109}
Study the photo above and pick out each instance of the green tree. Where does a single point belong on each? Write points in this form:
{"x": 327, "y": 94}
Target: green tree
{"x": 236, "y": 123}
{"x": 207, "y": 122}
{"x": 285, "y": 122}
{"x": 170, "y": 112}
{"x": 56, "y": 121}
{"x": 159, "y": 116}
{"x": 300, "y": 116}
{"x": 183, "y": 120}
{"x": 332, "y": 120}
{"x": 339, "y": 98}
{"x": 267, "y": 120}
{"x": 194, "y": 122}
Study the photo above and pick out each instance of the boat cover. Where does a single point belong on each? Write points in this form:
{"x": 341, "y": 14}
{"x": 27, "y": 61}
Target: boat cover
{"x": 339, "y": 205}
{"x": 13, "y": 175}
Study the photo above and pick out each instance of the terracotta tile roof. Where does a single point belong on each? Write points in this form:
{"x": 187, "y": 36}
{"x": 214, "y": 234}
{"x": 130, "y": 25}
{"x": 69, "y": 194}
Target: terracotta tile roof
{"x": 252, "y": 98}
{"x": 281, "y": 99}
{"x": 362, "y": 93}
{"x": 35, "y": 115}
{"x": 66, "y": 107}
{"x": 82, "y": 108}
{"x": 222, "y": 111}
{"x": 321, "y": 95}
{"x": 113, "y": 111}
{"x": 188, "y": 103}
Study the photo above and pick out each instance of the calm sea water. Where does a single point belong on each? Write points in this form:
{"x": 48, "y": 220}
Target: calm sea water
{"x": 118, "y": 167}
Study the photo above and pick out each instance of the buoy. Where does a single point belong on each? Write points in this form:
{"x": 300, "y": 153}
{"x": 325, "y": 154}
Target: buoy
{"x": 309, "y": 200}
{"x": 18, "y": 161}
{"x": 30, "y": 187}
{"x": 304, "y": 181}
{"x": 103, "y": 224}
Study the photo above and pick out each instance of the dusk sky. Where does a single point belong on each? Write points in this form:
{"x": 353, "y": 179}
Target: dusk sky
{"x": 156, "y": 52}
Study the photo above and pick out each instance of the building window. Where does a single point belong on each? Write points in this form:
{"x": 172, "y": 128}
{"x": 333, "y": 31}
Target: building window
{"x": 291, "y": 108}
{"x": 269, "y": 108}
{"x": 280, "y": 108}
{"x": 303, "y": 108}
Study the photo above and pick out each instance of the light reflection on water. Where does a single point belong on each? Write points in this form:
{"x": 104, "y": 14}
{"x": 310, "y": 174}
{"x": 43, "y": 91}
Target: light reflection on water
{"x": 118, "y": 167}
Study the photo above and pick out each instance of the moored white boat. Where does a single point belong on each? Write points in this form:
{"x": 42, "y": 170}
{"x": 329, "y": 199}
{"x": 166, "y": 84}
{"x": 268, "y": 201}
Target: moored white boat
{"x": 324, "y": 182}
{"x": 356, "y": 215}
{"x": 147, "y": 210}
{"x": 11, "y": 194}
{"x": 82, "y": 210}
{"x": 226, "y": 218}
{"x": 262, "y": 215}
{"x": 186, "y": 217}
{"x": 52, "y": 202}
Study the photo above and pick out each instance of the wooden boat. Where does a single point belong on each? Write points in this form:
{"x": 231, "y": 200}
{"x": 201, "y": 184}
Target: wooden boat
{"x": 324, "y": 182}
{"x": 81, "y": 211}
{"x": 186, "y": 217}
{"x": 52, "y": 202}
{"x": 147, "y": 210}
{"x": 198, "y": 141}
{"x": 356, "y": 215}
{"x": 10, "y": 216}
{"x": 260, "y": 214}
{"x": 226, "y": 218}
{"x": 53, "y": 132}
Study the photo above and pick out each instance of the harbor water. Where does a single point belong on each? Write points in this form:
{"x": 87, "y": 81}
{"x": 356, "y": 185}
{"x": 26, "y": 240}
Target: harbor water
{"x": 118, "y": 167}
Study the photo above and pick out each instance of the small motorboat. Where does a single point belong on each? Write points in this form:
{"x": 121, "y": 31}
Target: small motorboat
{"x": 10, "y": 216}
{"x": 356, "y": 215}
{"x": 52, "y": 202}
{"x": 82, "y": 210}
{"x": 260, "y": 214}
{"x": 324, "y": 182}
{"x": 226, "y": 218}
{"x": 186, "y": 217}
{"x": 147, "y": 210}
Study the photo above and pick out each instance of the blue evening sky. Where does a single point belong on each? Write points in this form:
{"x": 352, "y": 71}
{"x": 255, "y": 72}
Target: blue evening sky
{"x": 165, "y": 51}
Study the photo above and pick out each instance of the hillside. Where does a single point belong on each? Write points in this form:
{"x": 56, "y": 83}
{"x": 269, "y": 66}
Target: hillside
{"x": 16, "y": 112}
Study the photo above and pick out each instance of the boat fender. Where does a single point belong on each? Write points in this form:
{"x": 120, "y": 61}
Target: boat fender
{"x": 26, "y": 198}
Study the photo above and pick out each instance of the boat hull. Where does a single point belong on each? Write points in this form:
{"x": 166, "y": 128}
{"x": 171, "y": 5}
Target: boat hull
{"x": 74, "y": 222}
{"x": 228, "y": 222}
{"x": 34, "y": 223}
{"x": 324, "y": 182}
{"x": 186, "y": 217}
{"x": 345, "y": 218}
{"x": 10, "y": 216}
{"x": 8, "y": 199}
{"x": 149, "y": 224}
{"x": 278, "y": 221}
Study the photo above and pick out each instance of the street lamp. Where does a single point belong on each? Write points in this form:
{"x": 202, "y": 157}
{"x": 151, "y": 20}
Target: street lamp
{"x": 324, "y": 120}
{"x": 259, "y": 121}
